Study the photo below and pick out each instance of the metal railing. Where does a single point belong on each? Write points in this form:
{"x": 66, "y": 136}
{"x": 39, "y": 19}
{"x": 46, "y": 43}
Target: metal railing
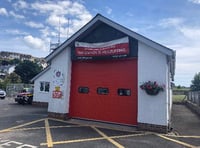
{"x": 13, "y": 89}
{"x": 194, "y": 97}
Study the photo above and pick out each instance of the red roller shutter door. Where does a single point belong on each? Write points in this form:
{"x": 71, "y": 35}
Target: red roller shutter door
{"x": 111, "y": 107}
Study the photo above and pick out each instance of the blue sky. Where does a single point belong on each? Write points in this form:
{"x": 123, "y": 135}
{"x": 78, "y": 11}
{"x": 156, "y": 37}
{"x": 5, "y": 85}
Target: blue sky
{"x": 29, "y": 26}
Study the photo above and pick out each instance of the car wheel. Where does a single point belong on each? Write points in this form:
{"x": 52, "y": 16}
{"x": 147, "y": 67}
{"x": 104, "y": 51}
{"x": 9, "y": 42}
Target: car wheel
{"x": 19, "y": 102}
{"x": 30, "y": 100}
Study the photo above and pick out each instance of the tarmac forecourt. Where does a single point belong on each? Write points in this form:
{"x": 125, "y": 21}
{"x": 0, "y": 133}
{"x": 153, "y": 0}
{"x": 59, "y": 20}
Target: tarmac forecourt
{"x": 49, "y": 132}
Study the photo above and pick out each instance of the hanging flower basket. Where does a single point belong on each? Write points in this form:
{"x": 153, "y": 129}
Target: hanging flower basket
{"x": 152, "y": 91}
{"x": 152, "y": 88}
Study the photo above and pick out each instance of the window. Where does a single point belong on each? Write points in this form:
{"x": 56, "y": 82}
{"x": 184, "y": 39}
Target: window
{"x": 44, "y": 86}
{"x": 102, "y": 91}
{"x": 83, "y": 90}
{"x": 124, "y": 92}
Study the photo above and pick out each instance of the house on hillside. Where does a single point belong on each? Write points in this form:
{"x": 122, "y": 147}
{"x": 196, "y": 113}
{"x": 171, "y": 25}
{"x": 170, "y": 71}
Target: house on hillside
{"x": 104, "y": 73}
{"x": 8, "y": 69}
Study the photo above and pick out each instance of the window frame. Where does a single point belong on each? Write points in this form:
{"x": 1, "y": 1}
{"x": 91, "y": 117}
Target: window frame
{"x": 44, "y": 86}
{"x": 102, "y": 89}
{"x": 81, "y": 89}
{"x": 123, "y": 92}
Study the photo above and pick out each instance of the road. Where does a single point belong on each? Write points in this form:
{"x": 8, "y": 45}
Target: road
{"x": 26, "y": 126}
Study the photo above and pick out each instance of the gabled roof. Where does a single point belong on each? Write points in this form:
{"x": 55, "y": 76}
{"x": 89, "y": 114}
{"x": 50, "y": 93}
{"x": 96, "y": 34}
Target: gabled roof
{"x": 101, "y": 19}
{"x": 41, "y": 73}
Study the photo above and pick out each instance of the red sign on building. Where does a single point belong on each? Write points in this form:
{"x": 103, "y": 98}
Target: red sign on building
{"x": 57, "y": 94}
{"x": 116, "y": 48}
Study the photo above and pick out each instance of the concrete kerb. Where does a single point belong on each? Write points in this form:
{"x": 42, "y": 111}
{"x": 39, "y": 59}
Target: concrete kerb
{"x": 193, "y": 107}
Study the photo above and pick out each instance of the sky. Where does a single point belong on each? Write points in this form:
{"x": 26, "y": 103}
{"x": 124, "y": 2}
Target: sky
{"x": 29, "y": 26}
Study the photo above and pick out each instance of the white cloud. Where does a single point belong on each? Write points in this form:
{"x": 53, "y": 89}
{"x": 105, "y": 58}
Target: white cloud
{"x": 108, "y": 10}
{"x": 67, "y": 12}
{"x": 34, "y": 25}
{"x": 15, "y": 32}
{"x": 169, "y": 22}
{"x": 195, "y": 1}
{"x": 3, "y": 11}
{"x": 71, "y": 14}
{"x": 184, "y": 38}
{"x": 191, "y": 32}
{"x": 49, "y": 7}
{"x": 17, "y": 16}
{"x": 35, "y": 43}
{"x": 45, "y": 32}
{"x": 54, "y": 20}
{"x": 129, "y": 14}
{"x": 21, "y": 4}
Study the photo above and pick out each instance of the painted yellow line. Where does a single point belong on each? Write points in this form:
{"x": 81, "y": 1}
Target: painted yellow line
{"x": 108, "y": 138}
{"x": 126, "y": 136}
{"x": 74, "y": 141}
{"x": 48, "y": 134}
{"x": 85, "y": 140}
{"x": 176, "y": 141}
{"x": 36, "y": 128}
{"x": 99, "y": 126}
{"x": 183, "y": 136}
{"x": 27, "y": 129}
{"x": 22, "y": 125}
{"x": 94, "y": 139}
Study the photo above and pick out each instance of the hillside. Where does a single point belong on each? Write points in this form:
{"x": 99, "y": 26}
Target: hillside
{"x": 6, "y": 58}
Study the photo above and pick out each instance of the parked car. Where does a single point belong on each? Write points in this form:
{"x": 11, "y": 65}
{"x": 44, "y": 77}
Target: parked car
{"x": 25, "y": 96}
{"x": 2, "y": 94}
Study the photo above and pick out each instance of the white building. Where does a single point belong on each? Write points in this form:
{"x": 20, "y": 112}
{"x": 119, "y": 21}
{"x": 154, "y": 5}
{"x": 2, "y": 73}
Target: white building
{"x": 8, "y": 69}
{"x": 97, "y": 74}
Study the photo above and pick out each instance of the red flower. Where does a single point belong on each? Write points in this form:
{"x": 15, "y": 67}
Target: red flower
{"x": 152, "y": 86}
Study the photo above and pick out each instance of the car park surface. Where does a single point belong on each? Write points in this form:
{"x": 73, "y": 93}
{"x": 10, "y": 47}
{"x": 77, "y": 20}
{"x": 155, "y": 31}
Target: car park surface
{"x": 29, "y": 127}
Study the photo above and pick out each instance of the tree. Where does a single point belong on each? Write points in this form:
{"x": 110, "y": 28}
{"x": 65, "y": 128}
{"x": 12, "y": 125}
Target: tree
{"x": 195, "y": 86}
{"x": 5, "y": 62}
{"x": 15, "y": 61}
{"x": 27, "y": 70}
{"x": 13, "y": 78}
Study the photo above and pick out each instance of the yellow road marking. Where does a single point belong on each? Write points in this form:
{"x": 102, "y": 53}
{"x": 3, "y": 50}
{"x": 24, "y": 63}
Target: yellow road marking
{"x": 126, "y": 136}
{"x": 48, "y": 134}
{"x": 176, "y": 141}
{"x": 93, "y": 139}
{"x": 36, "y": 128}
{"x": 74, "y": 141}
{"x": 22, "y": 125}
{"x": 50, "y": 142}
{"x": 99, "y": 126}
{"x": 184, "y": 136}
{"x": 108, "y": 138}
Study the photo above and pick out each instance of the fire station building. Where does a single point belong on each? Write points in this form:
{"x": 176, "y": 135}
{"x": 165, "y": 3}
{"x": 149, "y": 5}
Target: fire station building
{"x": 104, "y": 72}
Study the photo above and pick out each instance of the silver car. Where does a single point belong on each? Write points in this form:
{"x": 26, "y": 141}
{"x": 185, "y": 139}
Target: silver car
{"x": 2, "y": 94}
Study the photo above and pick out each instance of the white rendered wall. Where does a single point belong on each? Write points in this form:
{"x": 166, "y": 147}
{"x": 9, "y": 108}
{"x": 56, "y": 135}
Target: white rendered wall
{"x": 61, "y": 62}
{"x": 152, "y": 65}
{"x": 39, "y": 96}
